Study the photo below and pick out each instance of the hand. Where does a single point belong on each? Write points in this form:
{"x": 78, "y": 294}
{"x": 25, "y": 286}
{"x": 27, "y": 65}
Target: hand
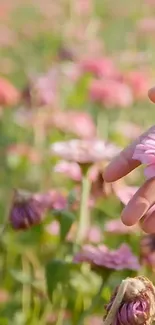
{"x": 142, "y": 205}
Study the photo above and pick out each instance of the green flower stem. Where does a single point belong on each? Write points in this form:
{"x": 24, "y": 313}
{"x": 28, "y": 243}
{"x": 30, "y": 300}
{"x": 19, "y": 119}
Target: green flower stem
{"x": 26, "y": 293}
{"x": 84, "y": 211}
{"x": 102, "y": 124}
{"x": 116, "y": 303}
{"x": 94, "y": 303}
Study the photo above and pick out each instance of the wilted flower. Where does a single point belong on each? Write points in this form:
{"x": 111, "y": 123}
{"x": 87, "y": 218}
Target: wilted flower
{"x": 99, "y": 187}
{"x": 84, "y": 151}
{"x": 145, "y": 153}
{"x": 78, "y": 123}
{"x": 9, "y": 95}
{"x": 111, "y": 93}
{"x": 147, "y": 250}
{"x": 103, "y": 257}
{"x": 135, "y": 306}
{"x": 26, "y": 210}
{"x": 100, "y": 67}
{"x": 65, "y": 53}
{"x": 117, "y": 227}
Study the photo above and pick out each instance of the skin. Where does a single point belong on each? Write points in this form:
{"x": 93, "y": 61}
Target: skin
{"x": 141, "y": 207}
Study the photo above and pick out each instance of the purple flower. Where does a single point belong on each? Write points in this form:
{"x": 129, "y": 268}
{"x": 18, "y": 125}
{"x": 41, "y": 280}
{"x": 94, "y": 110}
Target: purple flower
{"x": 103, "y": 257}
{"x": 26, "y": 210}
{"x": 137, "y": 306}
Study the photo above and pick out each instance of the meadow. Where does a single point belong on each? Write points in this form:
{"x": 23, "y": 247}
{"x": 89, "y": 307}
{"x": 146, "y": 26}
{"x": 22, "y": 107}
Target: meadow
{"x": 74, "y": 81}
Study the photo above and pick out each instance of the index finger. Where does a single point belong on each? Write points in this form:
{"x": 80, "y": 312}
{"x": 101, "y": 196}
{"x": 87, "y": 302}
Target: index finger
{"x": 123, "y": 164}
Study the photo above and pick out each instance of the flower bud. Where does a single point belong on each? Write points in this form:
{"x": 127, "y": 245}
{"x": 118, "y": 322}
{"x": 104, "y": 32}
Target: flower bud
{"x": 26, "y": 210}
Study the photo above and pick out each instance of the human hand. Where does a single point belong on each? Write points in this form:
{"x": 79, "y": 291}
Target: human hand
{"x": 142, "y": 205}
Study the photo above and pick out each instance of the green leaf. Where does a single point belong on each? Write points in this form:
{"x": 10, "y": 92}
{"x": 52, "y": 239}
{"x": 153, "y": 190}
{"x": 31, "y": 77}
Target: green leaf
{"x": 66, "y": 219}
{"x": 57, "y": 272}
{"x": 21, "y": 277}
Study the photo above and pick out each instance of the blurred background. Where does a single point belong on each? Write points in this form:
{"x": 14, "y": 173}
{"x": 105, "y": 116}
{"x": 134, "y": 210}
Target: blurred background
{"x": 70, "y": 69}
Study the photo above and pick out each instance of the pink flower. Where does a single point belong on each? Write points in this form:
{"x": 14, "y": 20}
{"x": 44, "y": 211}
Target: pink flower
{"x": 94, "y": 235}
{"x": 53, "y": 199}
{"x": 103, "y": 257}
{"x": 9, "y": 95}
{"x": 53, "y": 228}
{"x": 146, "y": 26}
{"x": 70, "y": 169}
{"x": 124, "y": 192}
{"x": 100, "y": 67}
{"x": 139, "y": 83}
{"x": 145, "y": 153}
{"x": 78, "y": 123}
{"x": 111, "y": 93}
{"x": 117, "y": 227}
{"x": 84, "y": 151}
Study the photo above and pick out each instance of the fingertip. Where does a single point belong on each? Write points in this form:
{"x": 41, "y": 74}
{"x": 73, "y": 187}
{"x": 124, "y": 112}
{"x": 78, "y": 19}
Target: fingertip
{"x": 134, "y": 211}
{"x": 151, "y": 94}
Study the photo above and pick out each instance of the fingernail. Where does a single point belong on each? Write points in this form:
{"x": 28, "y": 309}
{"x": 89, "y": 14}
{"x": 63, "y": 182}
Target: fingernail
{"x": 134, "y": 211}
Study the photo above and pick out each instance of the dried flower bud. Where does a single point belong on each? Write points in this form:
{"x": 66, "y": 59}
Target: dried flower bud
{"x": 26, "y": 210}
{"x": 136, "y": 303}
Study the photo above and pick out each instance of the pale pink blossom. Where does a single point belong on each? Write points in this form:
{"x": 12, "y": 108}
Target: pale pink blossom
{"x": 117, "y": 227}
{"x": 145, "y": 153}
{"x": 70, "y": 169}
{"x": 84, "y": 151}
{"x": 146, "y": 26}
{"x": 100, "y": 67}
{"x": 111, "y": 93}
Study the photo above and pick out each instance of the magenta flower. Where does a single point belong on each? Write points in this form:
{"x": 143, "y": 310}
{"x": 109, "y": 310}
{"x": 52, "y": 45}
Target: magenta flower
{"x": 117, "y": 227}
{"x": 111, "y": 93}
{"x": 84, "y": 151}
{"x": 103, "y": 257}
{"x": 145, "y": 153}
